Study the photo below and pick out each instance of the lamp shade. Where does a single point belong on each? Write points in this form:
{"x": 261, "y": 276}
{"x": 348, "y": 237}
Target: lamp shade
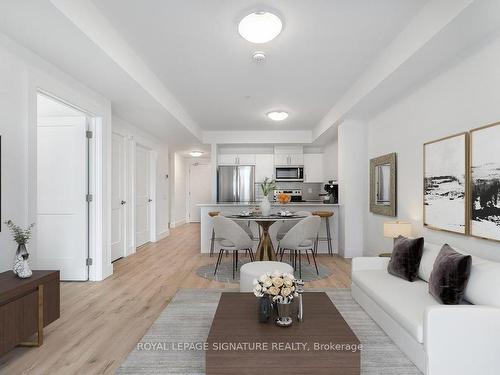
{"x": 396, "y": 229}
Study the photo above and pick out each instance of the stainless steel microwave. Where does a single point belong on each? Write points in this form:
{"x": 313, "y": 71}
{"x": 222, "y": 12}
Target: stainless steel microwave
{"x": 289, "y": 173}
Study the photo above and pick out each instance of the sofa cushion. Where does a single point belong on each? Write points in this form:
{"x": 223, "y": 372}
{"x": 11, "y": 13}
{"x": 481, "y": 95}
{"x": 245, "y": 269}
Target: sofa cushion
{"x": 429, "y": 255}
{"x": 405, "y": 258}
{"x": 484, "y": 273}
{"x": 450, "y": 276}
{"x": 405, "y": 302}
{"x": 484, "y": 280}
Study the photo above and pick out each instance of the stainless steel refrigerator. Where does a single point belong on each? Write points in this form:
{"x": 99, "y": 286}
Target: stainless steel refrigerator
{"x": 236, "y": 184}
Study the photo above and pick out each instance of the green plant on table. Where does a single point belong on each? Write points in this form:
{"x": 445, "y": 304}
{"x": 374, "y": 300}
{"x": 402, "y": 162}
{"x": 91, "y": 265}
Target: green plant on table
{"x": 268, "y": 186}
{"x": 21, "y": 236}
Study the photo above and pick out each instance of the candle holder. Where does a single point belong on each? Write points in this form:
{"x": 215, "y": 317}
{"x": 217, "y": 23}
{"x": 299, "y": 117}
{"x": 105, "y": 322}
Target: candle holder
{"x": 299, "y": 284}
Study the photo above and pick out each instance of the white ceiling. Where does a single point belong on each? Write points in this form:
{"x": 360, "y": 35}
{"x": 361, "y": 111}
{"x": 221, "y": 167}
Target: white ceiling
{"x": 195, "y": 49}
{"x": 48, "y": 33}
{"x": 180, "y": 71}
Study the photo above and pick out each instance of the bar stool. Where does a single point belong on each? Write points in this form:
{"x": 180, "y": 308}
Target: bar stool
{"x": 212, "y": 240}
{"x": 324, "y": 215}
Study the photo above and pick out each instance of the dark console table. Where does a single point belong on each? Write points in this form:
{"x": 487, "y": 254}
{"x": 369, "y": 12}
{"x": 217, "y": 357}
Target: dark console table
{"x": 26, "y": 306}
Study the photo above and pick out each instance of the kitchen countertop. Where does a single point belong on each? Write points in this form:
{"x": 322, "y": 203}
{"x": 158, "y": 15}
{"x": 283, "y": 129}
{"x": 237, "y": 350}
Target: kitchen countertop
{"x": 274, "y": 204}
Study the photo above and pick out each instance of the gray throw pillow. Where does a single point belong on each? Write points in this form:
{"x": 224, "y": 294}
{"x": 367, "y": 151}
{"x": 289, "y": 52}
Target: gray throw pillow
{"x": 405, "y": 257}
{"x": 449, "y": 276}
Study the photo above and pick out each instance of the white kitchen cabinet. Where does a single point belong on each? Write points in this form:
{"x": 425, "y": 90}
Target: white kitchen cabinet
{"x": 246, "y": 159}
{"x": 236, "y": 159}
{"x": 313, "y": 168}
{"x": 281, "y": 159}
{"x": 288, "y": 159}
{"x": 296, "y": 159}
{"x": 264, "y": 167}
{"x": 227, "y": 159}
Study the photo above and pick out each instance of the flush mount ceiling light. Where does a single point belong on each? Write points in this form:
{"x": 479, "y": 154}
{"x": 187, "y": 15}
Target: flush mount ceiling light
{"x": 277, "y": 115}
{"x": 260, "y": 27}
{"x": 196, "y": 154}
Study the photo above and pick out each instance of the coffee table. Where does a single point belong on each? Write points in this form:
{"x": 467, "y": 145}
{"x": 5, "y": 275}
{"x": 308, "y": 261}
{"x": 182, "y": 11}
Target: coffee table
{"x": 238, "y": 344}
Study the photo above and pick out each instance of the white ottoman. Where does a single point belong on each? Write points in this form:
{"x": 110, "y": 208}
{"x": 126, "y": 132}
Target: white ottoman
{"x": 253, "y": 270}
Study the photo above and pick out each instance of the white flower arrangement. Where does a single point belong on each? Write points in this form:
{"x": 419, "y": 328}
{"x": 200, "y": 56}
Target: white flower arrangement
{"x": 277, "y": 285}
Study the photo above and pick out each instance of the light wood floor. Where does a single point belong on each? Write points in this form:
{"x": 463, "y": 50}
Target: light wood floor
{"x": 102, "y": 321}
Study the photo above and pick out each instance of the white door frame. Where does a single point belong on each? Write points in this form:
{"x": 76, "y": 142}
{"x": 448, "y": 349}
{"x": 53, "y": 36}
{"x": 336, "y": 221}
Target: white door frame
{"x": 91, "y": 177}
{"x": 125, "y": 193}
{"x": 152, "y": 155}
{"x": 188, "y": 187}
{"x": 99, "y": 224}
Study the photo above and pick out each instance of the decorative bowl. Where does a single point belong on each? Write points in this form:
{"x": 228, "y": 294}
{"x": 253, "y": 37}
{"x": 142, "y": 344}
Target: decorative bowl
{"x": 283, "y": 198}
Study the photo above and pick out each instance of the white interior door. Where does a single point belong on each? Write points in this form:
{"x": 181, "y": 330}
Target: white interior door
{"x": 118, "y": 197}
{"x": 62, "y": 227}
{"x": 142, "y": 198}
{"x": 199, "y": 179}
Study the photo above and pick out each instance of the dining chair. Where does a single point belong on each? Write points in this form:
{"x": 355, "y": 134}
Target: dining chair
{"x": 248, "y": 229}
{"x": 301, "y": 237}
{"x": 286, "y": 225}
{"x": 212, "y": 238}
{"x": 231, "y": 237}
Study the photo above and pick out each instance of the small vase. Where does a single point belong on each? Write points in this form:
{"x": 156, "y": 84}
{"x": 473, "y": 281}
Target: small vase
{"x": 265, "y": 309}
{"x": 265, "y": 206}
{"x": 21, "y": 266}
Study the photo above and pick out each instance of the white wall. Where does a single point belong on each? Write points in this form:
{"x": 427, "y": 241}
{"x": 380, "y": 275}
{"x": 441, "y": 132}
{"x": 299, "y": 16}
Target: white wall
{"x": 14, "y": 132}
{"x": 178, "y": 190}
{"x": 465, "y": 96}
{"x": 133, "y": 136}
{"x": 21, "y": 74}
{"x": 352, "y": 166}
{"x": 330, "y": 160}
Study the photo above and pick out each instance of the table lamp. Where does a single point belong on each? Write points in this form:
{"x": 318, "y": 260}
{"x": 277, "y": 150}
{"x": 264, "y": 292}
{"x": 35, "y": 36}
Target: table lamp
{"x": 395, "y": 229}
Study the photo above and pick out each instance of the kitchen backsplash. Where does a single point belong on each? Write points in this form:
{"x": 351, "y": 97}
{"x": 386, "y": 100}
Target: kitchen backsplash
{"x": 310, "y": 191}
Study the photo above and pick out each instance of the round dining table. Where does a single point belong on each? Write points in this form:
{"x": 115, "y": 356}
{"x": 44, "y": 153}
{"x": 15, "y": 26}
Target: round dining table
{"x": 265, "y": 249}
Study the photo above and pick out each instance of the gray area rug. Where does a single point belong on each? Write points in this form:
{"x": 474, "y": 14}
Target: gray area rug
{"x": 188, "y": 317}
{"x": 225, "y": 271}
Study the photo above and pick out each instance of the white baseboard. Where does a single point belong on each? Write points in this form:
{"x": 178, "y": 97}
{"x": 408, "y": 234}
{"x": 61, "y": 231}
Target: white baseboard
{"x": 177, "y": 223}
{"x": 162, "y": 235}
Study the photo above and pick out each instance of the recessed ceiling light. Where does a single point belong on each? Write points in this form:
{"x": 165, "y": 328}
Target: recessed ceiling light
{"x": 260, "y": 27}
{"x": 277, "y": 115}
{"x": 196, "y": 154}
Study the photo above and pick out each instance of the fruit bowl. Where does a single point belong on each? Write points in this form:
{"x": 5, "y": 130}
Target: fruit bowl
{"x": 283, "y": 198}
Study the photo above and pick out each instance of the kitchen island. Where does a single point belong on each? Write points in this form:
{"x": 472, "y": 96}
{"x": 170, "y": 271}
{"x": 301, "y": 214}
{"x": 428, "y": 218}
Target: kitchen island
{"x": 237, "y": 207}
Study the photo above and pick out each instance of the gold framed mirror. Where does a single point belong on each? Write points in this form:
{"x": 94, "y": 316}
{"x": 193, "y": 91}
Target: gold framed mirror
{"x": 383, "y": 181}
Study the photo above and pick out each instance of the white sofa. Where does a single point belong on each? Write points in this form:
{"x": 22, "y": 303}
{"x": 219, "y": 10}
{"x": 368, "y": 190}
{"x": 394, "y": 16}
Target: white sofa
{"x": 439, "y": 339}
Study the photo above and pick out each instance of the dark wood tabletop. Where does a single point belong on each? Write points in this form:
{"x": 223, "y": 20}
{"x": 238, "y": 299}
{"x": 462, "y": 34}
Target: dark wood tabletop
{"x": 322, "y": 344}
{"x": 10, "y": 284}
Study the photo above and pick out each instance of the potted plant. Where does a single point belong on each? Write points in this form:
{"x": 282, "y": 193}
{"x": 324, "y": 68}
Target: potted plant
{"x": 267, "y": 187}
{"x": 278, "y": 288}
{"x": 22, "y": 236}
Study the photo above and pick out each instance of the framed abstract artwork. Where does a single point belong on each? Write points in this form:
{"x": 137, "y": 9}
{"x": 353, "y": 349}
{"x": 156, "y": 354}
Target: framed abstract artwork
{"x": 485, "y": 182}
{"x": 445, "y": 184}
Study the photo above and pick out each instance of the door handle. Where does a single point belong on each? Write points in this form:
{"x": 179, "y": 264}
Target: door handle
{"x": 150, "y": 200}
{"x": 122, "y": 202}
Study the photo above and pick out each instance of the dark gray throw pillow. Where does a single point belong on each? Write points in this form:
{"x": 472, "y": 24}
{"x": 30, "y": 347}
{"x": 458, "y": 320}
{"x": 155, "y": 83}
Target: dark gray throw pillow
{"x": 405, "y": 257}
{"x": 449, "y": 276}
